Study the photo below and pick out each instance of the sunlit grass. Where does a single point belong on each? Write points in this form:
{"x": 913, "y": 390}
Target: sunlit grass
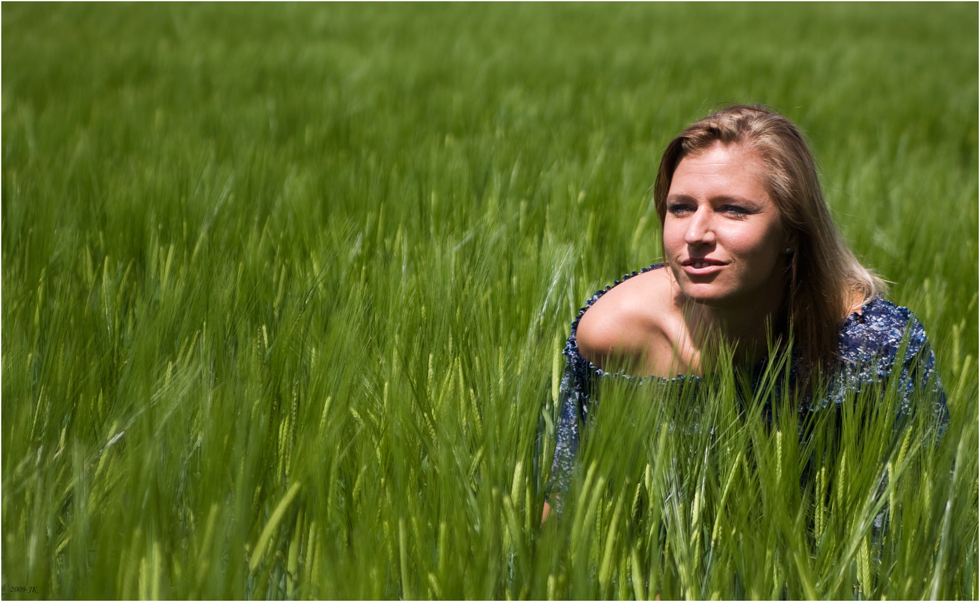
{"x": 285, "y": 287}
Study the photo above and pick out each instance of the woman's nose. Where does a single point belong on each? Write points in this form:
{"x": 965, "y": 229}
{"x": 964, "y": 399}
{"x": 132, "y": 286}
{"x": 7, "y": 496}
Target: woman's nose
{"x": 699, "y": 228}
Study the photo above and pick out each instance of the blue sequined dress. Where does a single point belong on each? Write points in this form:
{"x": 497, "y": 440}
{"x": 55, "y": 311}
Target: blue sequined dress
{"x": 869, "y": 344}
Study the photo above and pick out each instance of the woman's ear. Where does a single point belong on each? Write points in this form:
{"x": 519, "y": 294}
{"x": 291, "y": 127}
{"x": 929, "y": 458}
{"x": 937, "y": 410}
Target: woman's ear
{"x": 792, "y": 243}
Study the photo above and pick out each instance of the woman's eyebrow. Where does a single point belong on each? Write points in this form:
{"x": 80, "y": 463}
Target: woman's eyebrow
{"x": 736, "y": 199}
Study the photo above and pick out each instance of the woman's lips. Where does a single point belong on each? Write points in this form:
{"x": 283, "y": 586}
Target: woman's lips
{"x": 702, "y": 266}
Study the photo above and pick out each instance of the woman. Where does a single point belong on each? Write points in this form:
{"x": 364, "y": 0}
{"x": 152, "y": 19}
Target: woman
{"x": 749, "y": 249}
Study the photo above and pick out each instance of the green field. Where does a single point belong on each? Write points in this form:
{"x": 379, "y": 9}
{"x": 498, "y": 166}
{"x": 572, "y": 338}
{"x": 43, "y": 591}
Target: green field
{"x": 284, "y": 289}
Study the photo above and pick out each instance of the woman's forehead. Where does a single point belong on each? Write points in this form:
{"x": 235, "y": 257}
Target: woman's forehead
{"x": 722, "y": 164}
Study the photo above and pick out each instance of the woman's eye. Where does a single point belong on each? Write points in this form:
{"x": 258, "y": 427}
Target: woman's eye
{"x": 678, "y": 208}
{"x": 735, "y": 211}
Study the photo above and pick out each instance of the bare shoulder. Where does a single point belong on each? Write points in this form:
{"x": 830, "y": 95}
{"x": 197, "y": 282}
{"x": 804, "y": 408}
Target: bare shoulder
{"x": 628, "y": 321}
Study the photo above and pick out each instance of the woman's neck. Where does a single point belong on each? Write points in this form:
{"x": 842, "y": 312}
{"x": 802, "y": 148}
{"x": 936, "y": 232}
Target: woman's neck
{"x": 747, "y": 329}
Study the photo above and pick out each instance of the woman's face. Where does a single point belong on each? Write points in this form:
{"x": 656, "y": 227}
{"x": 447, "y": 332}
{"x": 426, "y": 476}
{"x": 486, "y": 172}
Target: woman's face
{"x": 723, "y": 235}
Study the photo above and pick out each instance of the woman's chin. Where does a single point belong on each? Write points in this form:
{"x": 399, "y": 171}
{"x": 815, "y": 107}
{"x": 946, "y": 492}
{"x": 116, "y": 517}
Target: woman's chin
{"x": 704, "y": 294}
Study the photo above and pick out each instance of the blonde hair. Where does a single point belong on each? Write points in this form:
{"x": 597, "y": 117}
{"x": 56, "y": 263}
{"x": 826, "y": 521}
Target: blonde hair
{"x": 824, "y": 278}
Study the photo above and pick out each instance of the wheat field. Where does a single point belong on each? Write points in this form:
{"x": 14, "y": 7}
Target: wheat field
{"x": 284, "y": 289}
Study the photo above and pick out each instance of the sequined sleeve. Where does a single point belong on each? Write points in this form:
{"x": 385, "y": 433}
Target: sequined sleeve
{"x": 870, "y": 344}
{"x": 572, "y": 400}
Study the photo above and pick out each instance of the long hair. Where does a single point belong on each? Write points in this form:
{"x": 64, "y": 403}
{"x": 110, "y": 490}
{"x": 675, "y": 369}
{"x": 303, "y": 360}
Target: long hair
{"x": 823, "y": 277}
